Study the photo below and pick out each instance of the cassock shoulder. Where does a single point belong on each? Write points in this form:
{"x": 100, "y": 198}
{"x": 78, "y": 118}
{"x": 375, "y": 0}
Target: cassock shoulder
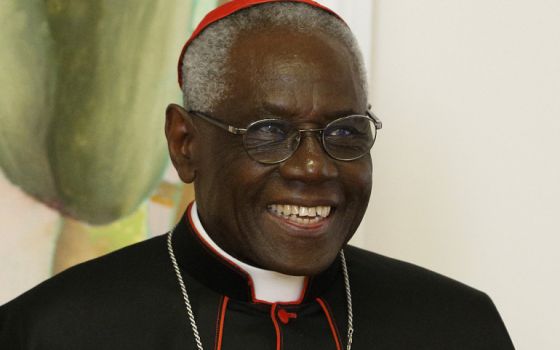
{"x": 96, "y": 292}
{"x": 112, "y": 272}
{"x": 396, "y": 275}
{"x": 413, "y": 305}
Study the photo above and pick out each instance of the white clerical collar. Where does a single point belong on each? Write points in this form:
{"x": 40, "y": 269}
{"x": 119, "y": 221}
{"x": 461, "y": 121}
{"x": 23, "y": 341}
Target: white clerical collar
{"x": 268, "y": 286}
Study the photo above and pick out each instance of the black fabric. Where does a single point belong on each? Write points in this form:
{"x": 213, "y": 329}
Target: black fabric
{"x": 130, "y": 299}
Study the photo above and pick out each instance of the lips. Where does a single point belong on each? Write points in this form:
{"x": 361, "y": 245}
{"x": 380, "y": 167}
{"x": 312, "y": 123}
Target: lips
{"x": 300, "y": 215}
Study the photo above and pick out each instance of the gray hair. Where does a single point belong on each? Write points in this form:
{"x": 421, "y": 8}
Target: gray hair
{"x": 205, "y": 61}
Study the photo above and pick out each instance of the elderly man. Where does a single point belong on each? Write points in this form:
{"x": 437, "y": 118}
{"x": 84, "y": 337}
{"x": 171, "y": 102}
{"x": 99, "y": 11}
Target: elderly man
{"x": 275, "y": 134}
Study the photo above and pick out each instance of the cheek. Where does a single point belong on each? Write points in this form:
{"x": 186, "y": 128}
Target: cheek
{"x": 244, "y": 179}
{"x": 227, "y": 168}
{"x": 251, "y": 178}
{"x": 219, "y": 155}
{"x": 358, "y": 184}
{"x": 216, "y": 168}
{"x": 357, "y": 179}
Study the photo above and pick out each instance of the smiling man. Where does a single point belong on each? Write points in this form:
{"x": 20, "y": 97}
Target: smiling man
{"x": 275, "y": 134}
{"x": 274, "y": 195}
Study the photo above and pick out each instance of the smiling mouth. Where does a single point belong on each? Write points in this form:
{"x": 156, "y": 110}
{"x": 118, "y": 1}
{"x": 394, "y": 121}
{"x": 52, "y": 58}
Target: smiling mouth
{"x": 300, "y": 215}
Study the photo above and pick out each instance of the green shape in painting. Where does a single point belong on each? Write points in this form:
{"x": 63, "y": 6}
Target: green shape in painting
{"x": 117, "y": 60}
{"x": 28, "y": 86}
{"x": 86, "y": 84}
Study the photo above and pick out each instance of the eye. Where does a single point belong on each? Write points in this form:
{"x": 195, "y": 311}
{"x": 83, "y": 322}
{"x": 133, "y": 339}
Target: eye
{"x": 341, "y": 131}
{"x": 268, "y": 131}
{"x": 349, "y": 127}
{"x": 271, "y": 129}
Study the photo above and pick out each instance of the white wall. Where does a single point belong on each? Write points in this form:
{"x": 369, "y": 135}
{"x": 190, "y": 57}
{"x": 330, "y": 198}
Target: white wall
{"x": 467, "y": 166}
{"x": 358, "y": 16}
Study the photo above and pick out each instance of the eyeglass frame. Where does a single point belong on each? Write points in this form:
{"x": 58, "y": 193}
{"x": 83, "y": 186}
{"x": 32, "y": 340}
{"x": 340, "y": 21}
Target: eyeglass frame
{"x": 242, "y": 131}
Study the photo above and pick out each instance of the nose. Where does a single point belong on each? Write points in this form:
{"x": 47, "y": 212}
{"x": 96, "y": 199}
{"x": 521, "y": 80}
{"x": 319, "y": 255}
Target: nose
{"x": 310, "y": 162}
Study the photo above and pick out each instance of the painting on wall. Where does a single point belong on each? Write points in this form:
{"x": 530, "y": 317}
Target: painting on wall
{"x": 83, "y": 158}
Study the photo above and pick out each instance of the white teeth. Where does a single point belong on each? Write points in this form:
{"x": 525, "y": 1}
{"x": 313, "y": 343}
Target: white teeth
{"x": 312, "y": 211}
{"x": 300, "y": 214}
{"x": 295, "y": 209}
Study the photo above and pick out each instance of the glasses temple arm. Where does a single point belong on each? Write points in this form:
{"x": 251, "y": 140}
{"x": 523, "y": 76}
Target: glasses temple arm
{"x": 376, "y": 121}
{"x": 227, "y": 127}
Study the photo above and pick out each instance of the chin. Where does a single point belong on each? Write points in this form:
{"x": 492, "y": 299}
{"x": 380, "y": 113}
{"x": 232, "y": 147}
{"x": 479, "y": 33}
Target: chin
{"x": 302, "y": 267}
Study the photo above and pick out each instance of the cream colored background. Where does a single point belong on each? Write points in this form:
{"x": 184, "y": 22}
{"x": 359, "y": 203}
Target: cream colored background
{"x": 467, "y": 167}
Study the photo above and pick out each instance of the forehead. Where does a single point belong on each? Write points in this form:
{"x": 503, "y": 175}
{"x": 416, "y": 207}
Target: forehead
{"x": 281, "y": 71}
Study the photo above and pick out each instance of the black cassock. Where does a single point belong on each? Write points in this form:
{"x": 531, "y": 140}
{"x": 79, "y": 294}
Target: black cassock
{"x": 130, "y": 299}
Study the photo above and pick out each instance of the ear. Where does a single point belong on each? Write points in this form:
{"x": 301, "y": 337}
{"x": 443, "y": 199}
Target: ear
{"x": 181, "y": 133}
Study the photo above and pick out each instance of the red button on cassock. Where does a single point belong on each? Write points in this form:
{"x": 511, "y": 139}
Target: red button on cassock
{"x": 285, "y": 316}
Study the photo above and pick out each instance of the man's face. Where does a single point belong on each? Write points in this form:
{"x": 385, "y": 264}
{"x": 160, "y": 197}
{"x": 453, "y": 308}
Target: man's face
{"x": 309, "y": 80}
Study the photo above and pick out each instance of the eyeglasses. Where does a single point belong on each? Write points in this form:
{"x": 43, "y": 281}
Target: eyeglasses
{"x": 271, "y": 141}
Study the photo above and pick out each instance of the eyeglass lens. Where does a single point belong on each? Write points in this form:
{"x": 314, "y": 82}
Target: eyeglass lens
{"x": 271, "y": 141}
